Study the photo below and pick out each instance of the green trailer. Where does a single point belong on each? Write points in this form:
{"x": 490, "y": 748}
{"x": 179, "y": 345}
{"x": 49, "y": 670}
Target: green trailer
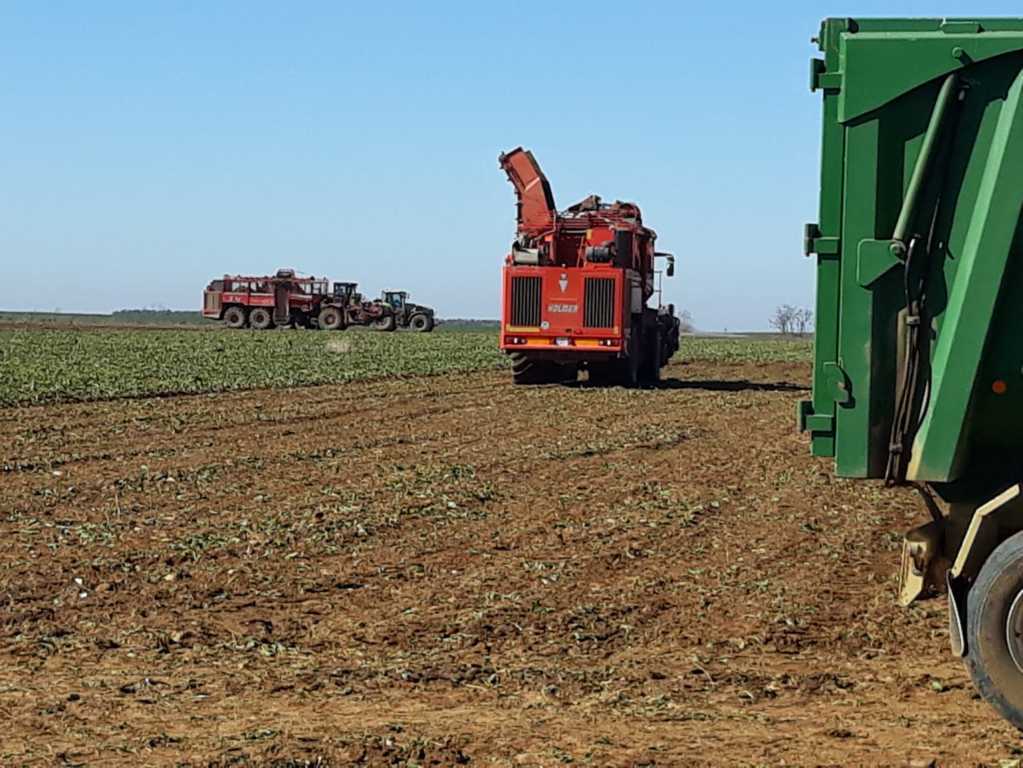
{"x": 918, "y": 376}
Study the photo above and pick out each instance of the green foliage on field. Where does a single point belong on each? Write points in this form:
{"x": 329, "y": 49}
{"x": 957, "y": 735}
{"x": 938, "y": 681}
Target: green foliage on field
{"x": 42, "y": 366}
{"x": 748, "y": 349}
{"x": 56, "y": 365}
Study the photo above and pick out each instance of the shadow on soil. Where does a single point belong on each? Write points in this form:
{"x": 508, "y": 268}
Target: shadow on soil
{"x": 742, "y": 385}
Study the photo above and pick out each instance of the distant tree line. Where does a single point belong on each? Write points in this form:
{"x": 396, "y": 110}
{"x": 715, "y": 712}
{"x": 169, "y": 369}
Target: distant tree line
{"x": 790, "y": 320}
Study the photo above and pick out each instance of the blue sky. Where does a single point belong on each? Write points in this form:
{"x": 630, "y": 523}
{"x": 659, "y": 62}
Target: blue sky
{"x": 146, "y": 147}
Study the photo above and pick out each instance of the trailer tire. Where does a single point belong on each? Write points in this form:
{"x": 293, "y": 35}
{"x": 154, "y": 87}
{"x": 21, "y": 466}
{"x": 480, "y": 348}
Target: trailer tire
{"x": 994, "y": 619}
{"x": 386, "y": 323}
{"x": 331, "y": 319}
{"x": 421, "y": 323}
{"x": 260, "y": 319}
{"x": 235, "y": 318}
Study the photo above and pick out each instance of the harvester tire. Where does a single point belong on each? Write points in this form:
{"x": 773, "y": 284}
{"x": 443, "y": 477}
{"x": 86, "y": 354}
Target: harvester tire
{"x": 386, "y": 323}
{"x": 260, "y": 319}
{"x": 630, "y": 367}
{"x": 234, "y": 317}
{"x": 536, "y": 372}
{"x": 650, "y": 371}
{"x": 331, "y": 319}
{"x": 421, "y": 323}
{"x": 994, "y": 630}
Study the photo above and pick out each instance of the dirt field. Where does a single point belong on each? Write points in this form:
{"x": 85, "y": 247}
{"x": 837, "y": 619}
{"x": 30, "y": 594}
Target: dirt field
{"x": 449, "y": 571}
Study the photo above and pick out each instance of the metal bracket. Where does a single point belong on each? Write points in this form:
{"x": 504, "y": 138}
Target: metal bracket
{"x": 838, "y": 384}
{"x": 814, "y": 242}
{"x": 821, "y": 79}
{"x": 809, "y": 421}
{"x": 875, "y": 258}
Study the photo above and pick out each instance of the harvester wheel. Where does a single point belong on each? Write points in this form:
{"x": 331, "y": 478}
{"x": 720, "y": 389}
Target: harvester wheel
{"x": 994, "y": 630}
{"x": 386, "y": 323}
{"x": 234, "y": 317}
{"x": 629, "y": 367}
{"x": 651, "y": 363}
{"x": 421, "y": 323}
{"x": 535, "y": 372}
{"x": 260, "y": 319}
{"x": 331, "y": 319}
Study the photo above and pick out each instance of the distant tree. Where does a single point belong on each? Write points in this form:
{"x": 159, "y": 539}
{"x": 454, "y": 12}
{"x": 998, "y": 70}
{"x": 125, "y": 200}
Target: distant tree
{"x": 685, "y": 319}
{"x": 788, "y": 319}
{"x": 784, "y": 318}
{"x": 804, "y": 320}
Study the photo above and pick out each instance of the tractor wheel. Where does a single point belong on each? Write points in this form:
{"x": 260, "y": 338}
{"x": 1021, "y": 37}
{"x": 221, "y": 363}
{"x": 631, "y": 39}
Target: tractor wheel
{"x": 994, "y": 630}
{"x": 421, "y": 323}
{"x": 234, "y": 317}
{"x": 386, "y": 323}
{"x": 260, "y": 319}
{"x": 331, "y": 319}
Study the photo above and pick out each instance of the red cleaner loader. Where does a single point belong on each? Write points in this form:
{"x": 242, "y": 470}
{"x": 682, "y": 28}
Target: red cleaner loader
{"x": 577, "y": 284}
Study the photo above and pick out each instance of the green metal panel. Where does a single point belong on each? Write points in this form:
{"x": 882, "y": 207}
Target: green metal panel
{"x": 922, "y": 144}
{"x": 939, "y": 450}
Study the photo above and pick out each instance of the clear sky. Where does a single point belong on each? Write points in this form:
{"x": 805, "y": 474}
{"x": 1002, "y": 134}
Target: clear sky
{"x": 147, "y": 147}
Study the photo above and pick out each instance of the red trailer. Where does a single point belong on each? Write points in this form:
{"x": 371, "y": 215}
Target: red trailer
{"x": 576, "y": 288}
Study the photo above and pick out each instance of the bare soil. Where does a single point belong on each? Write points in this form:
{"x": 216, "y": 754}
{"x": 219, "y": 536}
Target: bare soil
{"x": 450, "y": 571}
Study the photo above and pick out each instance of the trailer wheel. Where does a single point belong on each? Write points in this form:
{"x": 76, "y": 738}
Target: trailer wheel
{"x": 331, "y": 319}
{"x": 386, "y": 323}
{"x": 260, "y": 319}
{"x": 234, "y": 317}
{"x": 994, "y": 630}
{"x": 421, "y": 323}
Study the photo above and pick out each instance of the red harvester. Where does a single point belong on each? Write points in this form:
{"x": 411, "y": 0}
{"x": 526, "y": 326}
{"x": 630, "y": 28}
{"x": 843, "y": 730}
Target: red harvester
{"x": 576, "y": 288}
{"x": 286, "y": 299}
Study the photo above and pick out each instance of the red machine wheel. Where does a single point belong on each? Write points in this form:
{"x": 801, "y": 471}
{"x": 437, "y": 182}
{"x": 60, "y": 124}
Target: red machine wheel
{"x": 234, "y": 317}
{"x": 331, "y": 319}
{"x": 260, "y": 319}
{"x": 651, "y": 363}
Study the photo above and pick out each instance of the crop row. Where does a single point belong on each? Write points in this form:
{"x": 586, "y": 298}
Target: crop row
{"x": 46, "y": 366}
{"x": 42, "y": 366}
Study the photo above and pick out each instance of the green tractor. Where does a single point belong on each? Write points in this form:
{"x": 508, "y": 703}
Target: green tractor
{"x": 409, "y": 315}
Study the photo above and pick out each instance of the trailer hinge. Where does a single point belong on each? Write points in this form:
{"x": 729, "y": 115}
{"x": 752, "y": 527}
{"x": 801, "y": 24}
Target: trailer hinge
{"x": 821, "y": 79}
{"x": 815, "y": 243}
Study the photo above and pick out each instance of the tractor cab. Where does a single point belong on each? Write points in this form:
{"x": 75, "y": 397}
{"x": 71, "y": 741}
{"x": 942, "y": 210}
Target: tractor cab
{"x": 396, "y": 300}
{"x": 347, "y": 293}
